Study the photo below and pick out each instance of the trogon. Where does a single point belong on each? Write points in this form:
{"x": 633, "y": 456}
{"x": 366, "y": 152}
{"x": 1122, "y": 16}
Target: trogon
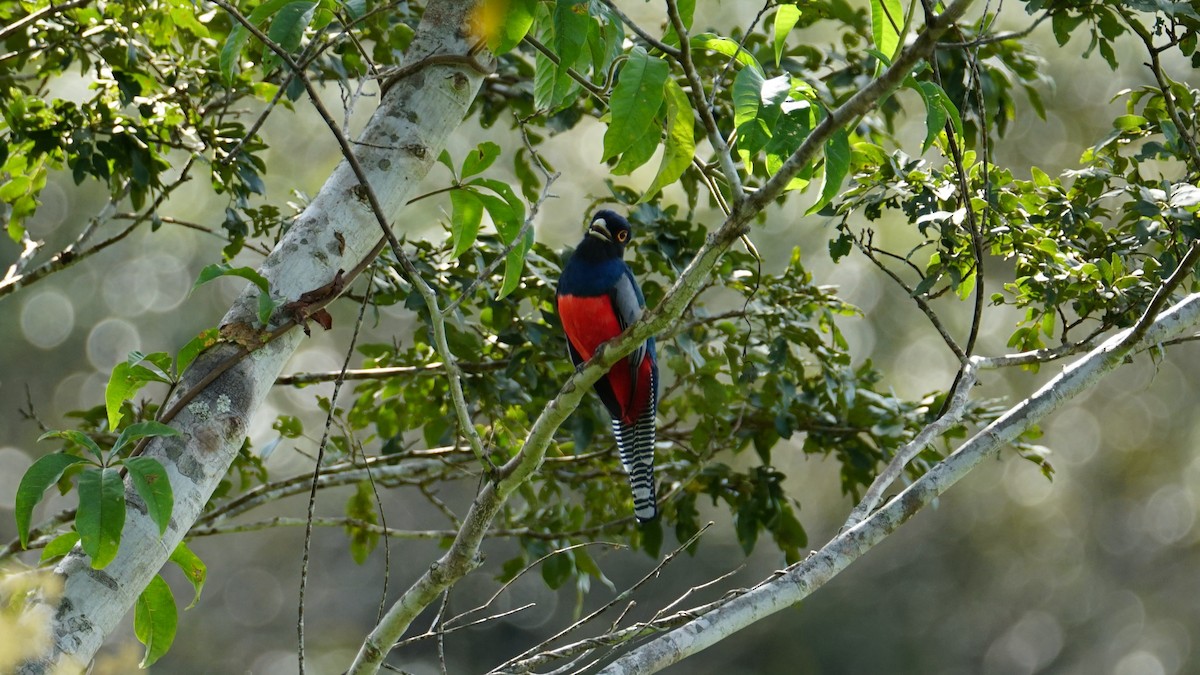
{"x": 598, "y": 298}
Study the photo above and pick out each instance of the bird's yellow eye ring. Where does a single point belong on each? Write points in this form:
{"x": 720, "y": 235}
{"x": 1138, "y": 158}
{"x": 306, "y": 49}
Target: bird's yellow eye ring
{"x": 622, "y": 235}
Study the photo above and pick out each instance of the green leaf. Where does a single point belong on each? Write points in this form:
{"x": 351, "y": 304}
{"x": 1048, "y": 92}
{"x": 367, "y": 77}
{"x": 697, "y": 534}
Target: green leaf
{"x": 42, "y": 474}
{"x": 193, "y": 568}
{"x": 101, "y": 514}
{"x": 193, "y": 348}
{"x": 571, "y": 21}
{"x": 60, "y": 546}
{"x": 935, "y": 114}
{"x": 503, "y": 216}
{"x": 747, "y": 96}
{"x": 287, "y": 29}
{"x": 77, "y": 437}
{"x": 635, "y": 101}
{"x": 141, "y": 430}
{"x": 727, "y": 47}
{"x": 514, "y": 263}
{"x": 504, "y": 22}
{"x": 266, "y": 306}
{"x": 124, "y": 383}
{"x": 687, "y": 13}
{"x": 465, "y": 217}
{"x": 150, "y": 480}
{"x": 231, "y": 52}
{"x": 155, "y": 619}
{"x": 680, "y": 144}
{"x": 887, "y": 22}
{"x": 837, "y": 165}
{"x": 785, "y": 20}
{"x": 639, "y": 152}
{"x": 217, "y": 270}
{"x": 507, "y": 226}
{"x": 361, "y": 506}
{"x": 479, "y": 159}
{"x": 557, "y": 569}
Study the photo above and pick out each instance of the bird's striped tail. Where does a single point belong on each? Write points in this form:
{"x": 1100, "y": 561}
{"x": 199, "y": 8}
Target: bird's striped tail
{"x": 635, "y": 443}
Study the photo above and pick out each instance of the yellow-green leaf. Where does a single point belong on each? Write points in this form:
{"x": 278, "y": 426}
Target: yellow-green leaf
{"x": 155, "y": 619}
{"x": 680, "y": 143}
{"x": 193, "y": 568}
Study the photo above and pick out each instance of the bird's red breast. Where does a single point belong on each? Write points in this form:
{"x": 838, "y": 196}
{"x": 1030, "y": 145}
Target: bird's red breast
{"x": 590, "y": 321}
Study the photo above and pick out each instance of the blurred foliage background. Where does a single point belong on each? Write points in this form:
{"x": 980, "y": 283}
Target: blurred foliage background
{"x": 1093, "y": 571}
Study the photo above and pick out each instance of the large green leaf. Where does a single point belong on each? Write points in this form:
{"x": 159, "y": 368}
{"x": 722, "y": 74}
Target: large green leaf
{"x": 150, "y": 480}
{"x": 837, "y": 165}
{"x": 571, "y": 21}
{"x": 504, "y": 22}
{"x": 45, "y": 472}
{"x": 101, "y": 514}
{"x": 887, "y": 24}
{"x": 723, "y": 45}
{"x": 123, "y": 384}
{"x": 155, "y": 619}
{"x": 680, "y": 144}
{"x": 785, "y": 19}
{"x": 465, "y": 216}
{"x": 193, "y": 568}
{"x": 508, "y": 226}
{"x": 639, "y": 152}
{"x": 514, "y": 263}
{"x": 60, "y": 546}
{"x": 287, "y": 29}
{"x": 635, "y": 101}
{"x": 217, "y": 270}
{"x": 479, "y": 159}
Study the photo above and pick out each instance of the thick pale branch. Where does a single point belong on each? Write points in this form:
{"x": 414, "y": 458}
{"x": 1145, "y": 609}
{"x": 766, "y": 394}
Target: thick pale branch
{"x": 803, "y": 578}
{"x": 336, "y": 231}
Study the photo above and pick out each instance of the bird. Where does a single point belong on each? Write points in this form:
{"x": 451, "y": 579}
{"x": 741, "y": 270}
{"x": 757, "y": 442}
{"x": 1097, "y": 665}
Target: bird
{"x": 597, "y": 298}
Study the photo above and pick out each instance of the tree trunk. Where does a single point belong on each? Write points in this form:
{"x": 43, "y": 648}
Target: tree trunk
{"x": 336, "y": 231}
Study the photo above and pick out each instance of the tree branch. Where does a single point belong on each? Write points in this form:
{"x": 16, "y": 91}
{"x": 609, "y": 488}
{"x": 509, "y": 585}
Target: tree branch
{"x": 801, "y": 579}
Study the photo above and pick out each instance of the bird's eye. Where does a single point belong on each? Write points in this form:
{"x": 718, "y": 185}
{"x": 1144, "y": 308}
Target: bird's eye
{"x": 622, "y": 235}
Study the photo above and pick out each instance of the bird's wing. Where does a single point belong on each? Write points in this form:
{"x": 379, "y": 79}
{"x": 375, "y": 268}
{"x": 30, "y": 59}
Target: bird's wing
{"x": 628, "y": 304}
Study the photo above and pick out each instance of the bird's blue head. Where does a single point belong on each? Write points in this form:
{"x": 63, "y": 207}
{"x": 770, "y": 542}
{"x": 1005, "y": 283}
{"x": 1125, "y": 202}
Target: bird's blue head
{"x": 606, "y": 236}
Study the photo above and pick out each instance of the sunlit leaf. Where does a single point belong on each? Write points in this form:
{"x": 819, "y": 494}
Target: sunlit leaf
{"x": 193, "y": 568}
{"x": 42, "y": 474}
{"x": 785, "y": 19}
{"x": 155, "y": 619}
{"x": 680, "y": 142}
{"x": 837, "y": 165}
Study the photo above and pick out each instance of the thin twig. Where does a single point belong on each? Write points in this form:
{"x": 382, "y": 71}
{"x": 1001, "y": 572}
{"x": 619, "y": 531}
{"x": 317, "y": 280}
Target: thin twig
{"x": 312, "y": 494}
{"x": 702, "y": 108}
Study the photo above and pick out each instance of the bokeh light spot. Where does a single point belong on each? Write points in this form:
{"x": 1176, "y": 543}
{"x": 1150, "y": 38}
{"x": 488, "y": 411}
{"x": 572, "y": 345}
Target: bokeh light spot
{"x": 47, "y": 319}
{"x": 110, "y": 342}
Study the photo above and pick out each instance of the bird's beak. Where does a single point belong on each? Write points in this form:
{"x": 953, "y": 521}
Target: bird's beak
{"x": 599, "y": 230}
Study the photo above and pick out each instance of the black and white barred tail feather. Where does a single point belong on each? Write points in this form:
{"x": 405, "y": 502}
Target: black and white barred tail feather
{"x": 635, "y": 443}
